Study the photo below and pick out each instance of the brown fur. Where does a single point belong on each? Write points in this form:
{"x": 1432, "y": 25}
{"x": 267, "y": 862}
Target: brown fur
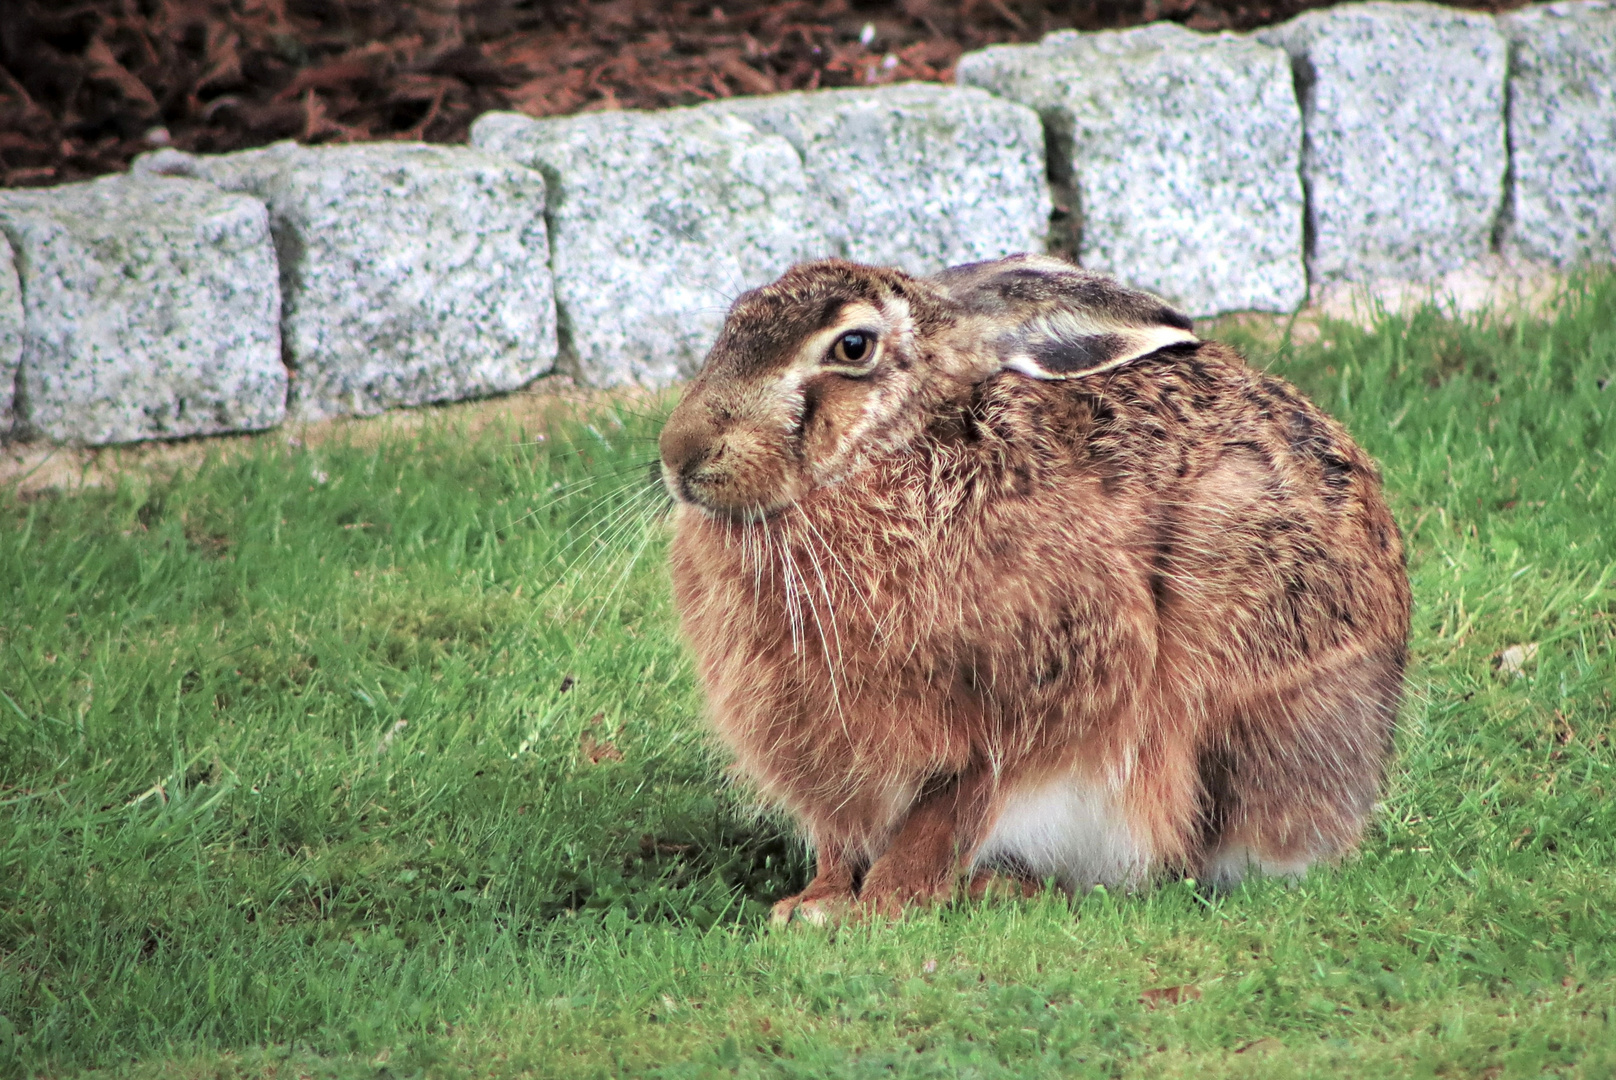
{"x": 915, "y": 592}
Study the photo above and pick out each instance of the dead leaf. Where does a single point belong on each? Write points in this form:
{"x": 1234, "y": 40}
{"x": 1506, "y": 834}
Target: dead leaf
{"x": 1259, "y": 1046}
{"x": 1513, "y": 660}
{"x": 1170, "y": 995}
{"x": 596, "y": 751}
{"x": 386, "y": 741}
{"x": 650, "y": 847}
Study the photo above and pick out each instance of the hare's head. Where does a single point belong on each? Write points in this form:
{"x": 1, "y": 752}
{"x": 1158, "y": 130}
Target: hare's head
{"x": 835, "y": 363}
{"x": 808, "y": 375}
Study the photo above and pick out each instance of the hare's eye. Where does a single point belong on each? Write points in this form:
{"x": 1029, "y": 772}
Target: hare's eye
{"x": 853, "y": 348}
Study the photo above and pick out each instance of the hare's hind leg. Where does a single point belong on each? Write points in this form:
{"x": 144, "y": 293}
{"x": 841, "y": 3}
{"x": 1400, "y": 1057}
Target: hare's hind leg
{"x": 1293, "y": 776}
{"x": 1002, "y": 883}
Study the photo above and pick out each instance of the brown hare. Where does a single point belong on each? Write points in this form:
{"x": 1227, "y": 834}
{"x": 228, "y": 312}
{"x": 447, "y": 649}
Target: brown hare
{"x": 1005, "y": 572}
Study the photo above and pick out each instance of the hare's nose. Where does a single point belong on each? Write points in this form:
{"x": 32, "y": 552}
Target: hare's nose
{"x": 689, "y": 444}
{"x": 693, "y": 471}
{"x": 698, "y": 470}
{"x": 684, "y": 447}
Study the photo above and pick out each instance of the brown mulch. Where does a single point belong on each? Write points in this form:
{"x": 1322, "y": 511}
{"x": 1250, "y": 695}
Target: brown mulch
{"x": 87, "y": 84}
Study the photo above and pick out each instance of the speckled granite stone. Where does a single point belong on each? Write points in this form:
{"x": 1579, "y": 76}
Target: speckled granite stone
{"x": 10, "y": 334}
{"x": 1403, "y": 108}
{"x": 411, "y": 273}
{"x": 150, "y": 309}
{"x": 916, "y": 175}
{"x": 657, "y": 221}
{"x": 1562, "y": 132}
{"x": 1176, "y": 154}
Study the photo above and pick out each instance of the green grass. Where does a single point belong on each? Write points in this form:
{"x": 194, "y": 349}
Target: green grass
{"x": 213, "y": 862}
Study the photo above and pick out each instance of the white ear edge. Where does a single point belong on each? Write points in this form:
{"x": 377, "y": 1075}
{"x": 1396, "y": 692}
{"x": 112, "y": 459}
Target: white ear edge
{"x": 1136, "y": 342}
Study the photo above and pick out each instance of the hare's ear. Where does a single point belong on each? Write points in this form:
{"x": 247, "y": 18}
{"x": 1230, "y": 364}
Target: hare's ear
{"x": 1052, "y": 347}
{"x": 1048, "y": 319}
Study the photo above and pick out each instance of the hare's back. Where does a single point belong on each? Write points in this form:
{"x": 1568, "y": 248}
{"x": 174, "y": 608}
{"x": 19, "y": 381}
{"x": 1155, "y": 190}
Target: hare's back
{"x": 1266, "y": 533}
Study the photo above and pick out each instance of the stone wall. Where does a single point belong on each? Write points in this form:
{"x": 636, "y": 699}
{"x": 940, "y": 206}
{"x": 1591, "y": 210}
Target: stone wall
{"x": 150, "y": 308}
{"x": 1354, "y": 146}
{"x": 409, "y": 273}
{"x": 1176, "y": 155}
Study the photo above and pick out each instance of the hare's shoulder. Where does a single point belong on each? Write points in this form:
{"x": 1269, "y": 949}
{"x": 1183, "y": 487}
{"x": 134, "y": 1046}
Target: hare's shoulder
{"x": 1207, "y": 397}
{"x": 1144, "y": 424}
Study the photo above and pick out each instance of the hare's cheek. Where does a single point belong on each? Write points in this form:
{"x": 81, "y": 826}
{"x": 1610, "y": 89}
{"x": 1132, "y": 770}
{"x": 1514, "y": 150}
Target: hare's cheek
{"x": 833, "y": 410}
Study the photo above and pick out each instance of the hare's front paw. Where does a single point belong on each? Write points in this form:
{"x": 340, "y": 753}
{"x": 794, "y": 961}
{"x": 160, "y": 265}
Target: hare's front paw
{"x": 828, "y": 897}
{"x": 815, "y": 911}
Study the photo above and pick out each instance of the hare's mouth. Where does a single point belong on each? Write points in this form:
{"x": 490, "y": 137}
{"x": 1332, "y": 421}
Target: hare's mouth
{"x": 713, "y": 493}
{"x": 753, "y": 513}
{"x": 741, "y": 516}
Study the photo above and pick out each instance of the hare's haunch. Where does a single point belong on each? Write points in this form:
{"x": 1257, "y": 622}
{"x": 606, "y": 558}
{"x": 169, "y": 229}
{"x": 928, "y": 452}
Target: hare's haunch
{"x": 1004, "y": 570}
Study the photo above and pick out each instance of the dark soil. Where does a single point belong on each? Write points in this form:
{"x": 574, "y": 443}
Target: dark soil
{"x": 87, "y": 84}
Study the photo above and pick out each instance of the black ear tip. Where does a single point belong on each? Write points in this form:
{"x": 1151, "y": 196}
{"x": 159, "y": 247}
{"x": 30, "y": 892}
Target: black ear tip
{"x": 1170, "y": 317}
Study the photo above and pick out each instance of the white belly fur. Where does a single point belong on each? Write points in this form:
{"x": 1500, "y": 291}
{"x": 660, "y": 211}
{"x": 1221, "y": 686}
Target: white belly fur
{"x": 1071, "y": 829}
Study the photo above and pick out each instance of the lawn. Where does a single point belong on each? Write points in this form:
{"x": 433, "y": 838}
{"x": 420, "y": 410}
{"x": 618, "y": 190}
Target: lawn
{"x": 376, "y": 754}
